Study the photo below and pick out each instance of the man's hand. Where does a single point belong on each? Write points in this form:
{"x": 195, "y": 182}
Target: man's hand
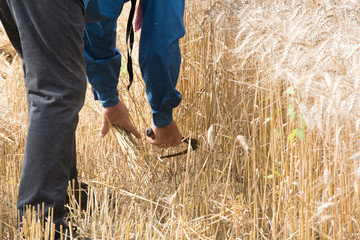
{"x": 168, "y": 136}
{"x": 117, "y": 115}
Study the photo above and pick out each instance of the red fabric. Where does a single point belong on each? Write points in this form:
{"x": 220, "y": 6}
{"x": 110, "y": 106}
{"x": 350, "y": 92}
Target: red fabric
{"x": 139, "y": 17}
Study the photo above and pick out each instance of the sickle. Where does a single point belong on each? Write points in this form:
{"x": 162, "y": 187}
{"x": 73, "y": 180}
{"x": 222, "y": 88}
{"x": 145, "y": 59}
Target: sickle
{"x": 193, "y": 144}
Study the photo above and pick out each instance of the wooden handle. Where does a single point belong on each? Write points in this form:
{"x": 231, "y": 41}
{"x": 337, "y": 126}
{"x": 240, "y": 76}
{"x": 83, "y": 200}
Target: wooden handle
{"x": 150, "y": 133}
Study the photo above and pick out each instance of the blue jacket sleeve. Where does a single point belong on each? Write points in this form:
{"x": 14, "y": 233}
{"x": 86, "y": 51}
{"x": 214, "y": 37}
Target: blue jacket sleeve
{"x": 103, "y": 60}
{"x": 100, "y": 10}
{"x": 160, "y": 57}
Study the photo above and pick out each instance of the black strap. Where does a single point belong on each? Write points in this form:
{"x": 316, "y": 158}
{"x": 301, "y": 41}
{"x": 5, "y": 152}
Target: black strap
{"x": 130, "y": 36}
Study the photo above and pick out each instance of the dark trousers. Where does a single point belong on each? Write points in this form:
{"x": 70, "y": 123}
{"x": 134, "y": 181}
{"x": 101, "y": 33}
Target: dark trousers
{"x": 48, "y": 36}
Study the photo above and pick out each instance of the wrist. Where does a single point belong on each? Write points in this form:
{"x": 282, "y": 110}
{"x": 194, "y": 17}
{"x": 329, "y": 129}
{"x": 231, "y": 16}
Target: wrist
{"x": 107, "y": 98}
{"x": 162, "y": 118}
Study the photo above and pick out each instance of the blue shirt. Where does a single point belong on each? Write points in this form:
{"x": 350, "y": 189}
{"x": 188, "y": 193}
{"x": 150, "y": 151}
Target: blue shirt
{"x": 159, "y": 52}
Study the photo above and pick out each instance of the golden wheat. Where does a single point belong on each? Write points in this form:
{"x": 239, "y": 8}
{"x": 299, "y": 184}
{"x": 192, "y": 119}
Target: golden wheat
{"x": 271, "y": 88}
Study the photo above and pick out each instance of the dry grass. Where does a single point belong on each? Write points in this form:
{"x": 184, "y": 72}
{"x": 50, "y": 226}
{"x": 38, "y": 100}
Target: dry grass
{"x": 272, "y": 91}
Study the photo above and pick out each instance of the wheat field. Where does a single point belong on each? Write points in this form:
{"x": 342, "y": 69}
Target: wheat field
{"x": 271, "y": 89}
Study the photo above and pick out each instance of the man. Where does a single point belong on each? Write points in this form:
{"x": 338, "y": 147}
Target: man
{"x": 48, "y": 36}
{"x": 159, "y": 58}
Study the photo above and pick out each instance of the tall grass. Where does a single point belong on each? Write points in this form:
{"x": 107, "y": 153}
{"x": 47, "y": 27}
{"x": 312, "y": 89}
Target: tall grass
{"x": 271, "y": 90}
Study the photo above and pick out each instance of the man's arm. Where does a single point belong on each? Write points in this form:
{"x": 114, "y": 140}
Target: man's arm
{"x": 103, "y": 62}
{"x": 160, "y": 59}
